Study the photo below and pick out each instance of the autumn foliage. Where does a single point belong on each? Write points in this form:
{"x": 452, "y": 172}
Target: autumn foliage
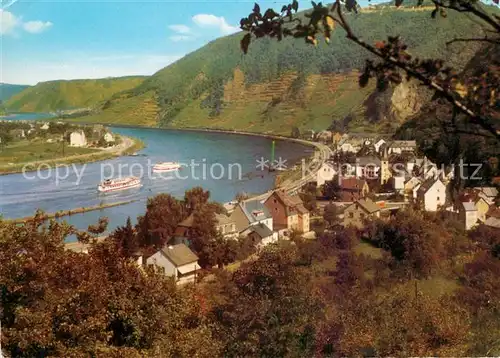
{"x": 303, "y": 298}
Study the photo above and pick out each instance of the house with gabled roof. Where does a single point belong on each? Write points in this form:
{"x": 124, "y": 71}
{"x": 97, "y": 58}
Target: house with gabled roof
{"x": 77, "y": 139}
{"x": 480, "y": 201}
{"x": 488, "y": 193}
{"x": 431, "y": 195}
{"x": 251, "y": 212}
{"x": 378, "y": 145}
{"x": 368, "y": 167}
{"x": 350, "y": 145}
{"x": 261, "y": 235}
{"x": 183, "y": 228}
{"x": 177, "y": 261}
{"x": 410, "y": 187}
{"x": 226, "y": 226}
{"x": 468, "y": 214}
{"x": 352, "y": 189}
{"x": 288, "y": 212}
{"x": 357, "y": 212}
{"x": 325, "y": 173}
{"x": 400, "y": 146}
{"x": 482, "y": 208}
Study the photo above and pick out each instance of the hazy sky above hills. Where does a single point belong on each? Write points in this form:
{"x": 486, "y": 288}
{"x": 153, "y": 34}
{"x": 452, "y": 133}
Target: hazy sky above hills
{"x": 68, "y": 39}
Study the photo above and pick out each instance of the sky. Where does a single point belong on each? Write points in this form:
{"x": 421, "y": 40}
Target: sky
{"x": 44, "y": 40}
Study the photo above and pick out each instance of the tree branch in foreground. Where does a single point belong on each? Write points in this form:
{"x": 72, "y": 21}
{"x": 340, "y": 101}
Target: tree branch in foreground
{"x": 432, "y": 73}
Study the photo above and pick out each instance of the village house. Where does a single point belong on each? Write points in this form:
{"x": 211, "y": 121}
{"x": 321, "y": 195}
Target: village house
{"x": 368, "y": 167}
{"x": 489, "y": 194}
{"x": 251, "y": 212}
{"x": 400, "y": 146}
{"x": 325, "y": 173}
{"x": 482, "y": 208}
{"x": 77, "y": 139}
{"x": 468, "y": 214}
{"x": 183, "y": 231}
{"x": 350, "y": 145}
{"x": 398, "y": 184}
{"x": 45, "y": 126}
{"x": 430, "y": 172}
{"x": 261, "y": 235}
{"x": 230, "y": 206}
{"x": 109, "y": 138}
{"x": 288, "y": 212}
{"x": 378, "y": 145}
{"x": 357, "y": 212}
{"x": 177, "y": 261}
{"x": 17, "y": 133}
{"x": 410, "y": 188}
{"x": 352, "y": 189}
{"x": 325, "y": 137}
{"x": 431, "y": 195}
{"x": 476, "y": 196}
{"x": 226, "y": 226}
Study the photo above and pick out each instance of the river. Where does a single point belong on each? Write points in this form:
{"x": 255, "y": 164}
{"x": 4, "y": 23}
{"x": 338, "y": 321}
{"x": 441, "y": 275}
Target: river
{"x": 224, "y": 164}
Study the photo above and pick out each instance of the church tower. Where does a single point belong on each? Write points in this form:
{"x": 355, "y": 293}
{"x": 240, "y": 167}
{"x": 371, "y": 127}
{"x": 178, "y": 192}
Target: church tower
{"x": 385, "y": 172}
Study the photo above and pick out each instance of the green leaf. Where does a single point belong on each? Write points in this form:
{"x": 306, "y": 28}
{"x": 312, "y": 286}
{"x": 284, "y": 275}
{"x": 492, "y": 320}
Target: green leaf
{"x": 295, "y": 5}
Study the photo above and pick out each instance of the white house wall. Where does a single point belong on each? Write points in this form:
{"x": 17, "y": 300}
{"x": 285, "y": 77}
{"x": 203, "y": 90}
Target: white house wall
{"x": 159, "y": 259}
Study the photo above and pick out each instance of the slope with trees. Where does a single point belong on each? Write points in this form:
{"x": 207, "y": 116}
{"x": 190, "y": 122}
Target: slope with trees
{"x": 63, "y": 95}
{"x": 279, "y": 85}
{"x": 8, "y": 90}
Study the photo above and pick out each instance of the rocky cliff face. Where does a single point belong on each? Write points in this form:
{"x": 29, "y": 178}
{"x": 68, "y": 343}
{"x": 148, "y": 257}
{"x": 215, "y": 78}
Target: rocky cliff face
{"x": 406, "y": 101}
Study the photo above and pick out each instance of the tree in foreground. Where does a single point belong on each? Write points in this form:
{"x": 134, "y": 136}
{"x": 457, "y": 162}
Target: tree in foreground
{"x": 330, "y": 214}
{"x": 417, "y": 245}
{"x": 60, "y": 303}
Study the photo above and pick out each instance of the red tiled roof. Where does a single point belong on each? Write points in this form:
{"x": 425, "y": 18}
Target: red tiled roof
{"x": 352, "y": 184}
{"x": 292, "y": 203}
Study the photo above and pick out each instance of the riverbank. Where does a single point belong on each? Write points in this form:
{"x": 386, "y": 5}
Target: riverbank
{"x": 63, "y": 213}
{"x": 290, "y": 180}
{"x": 126, "y": 147}
{"x": 209, "y": 130}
